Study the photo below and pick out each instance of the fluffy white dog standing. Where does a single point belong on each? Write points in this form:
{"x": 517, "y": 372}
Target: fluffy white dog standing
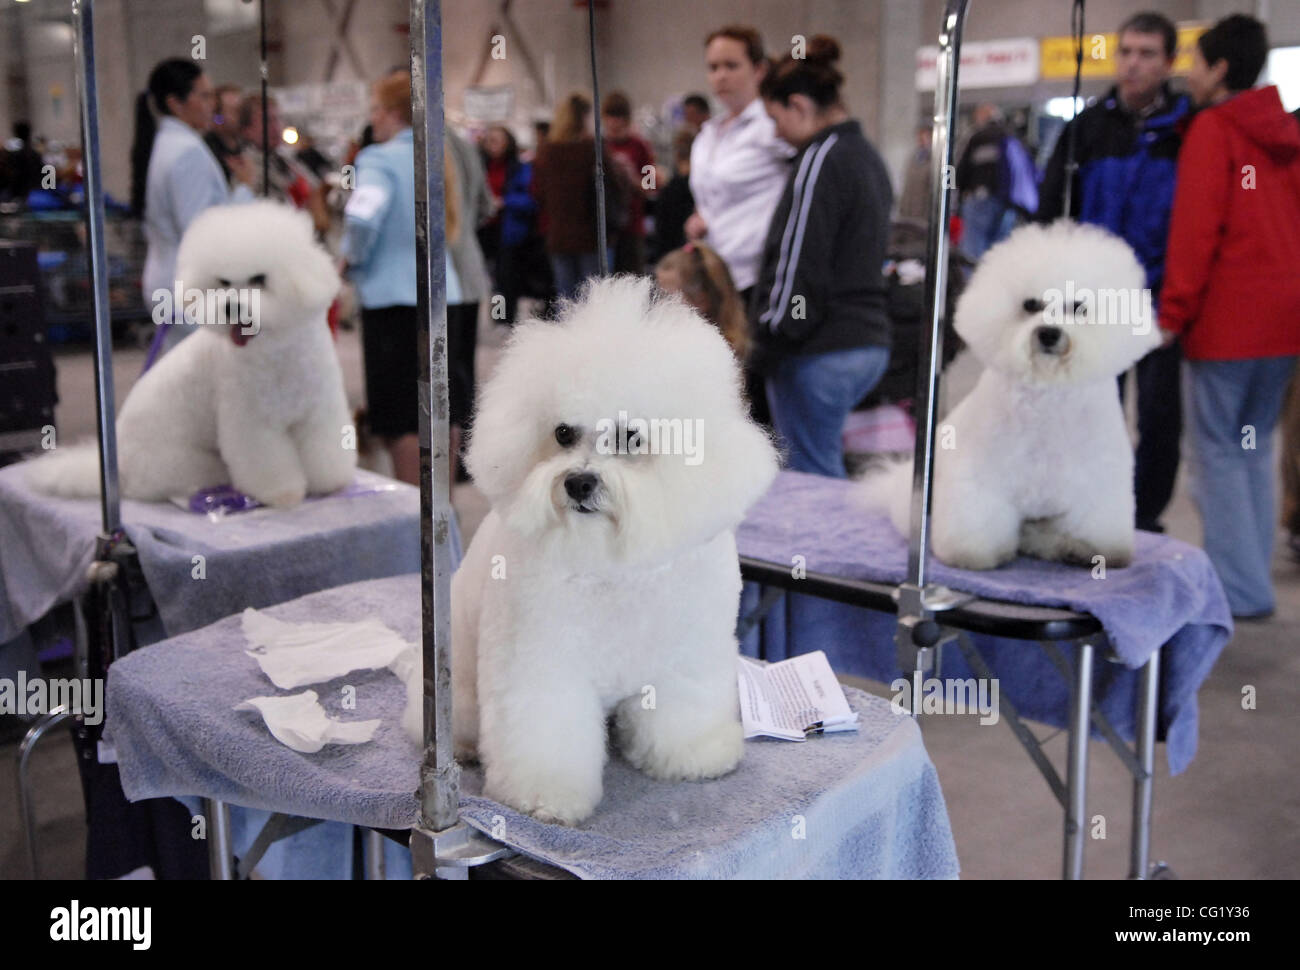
{"x": 1037, "y": 458}
{"x": 260, "y": 405}
{"x": 618, "y": 456}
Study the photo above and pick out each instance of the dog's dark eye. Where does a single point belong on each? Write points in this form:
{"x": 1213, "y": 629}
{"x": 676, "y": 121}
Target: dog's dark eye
{"x": 1080, "y": 309}
{"x": 258, "y": 280}
{"x": 1034, "y": 306}
{"x": 224, "y": 284}
{"x": 633, "y": 438}
{"x": 566, "y": 435}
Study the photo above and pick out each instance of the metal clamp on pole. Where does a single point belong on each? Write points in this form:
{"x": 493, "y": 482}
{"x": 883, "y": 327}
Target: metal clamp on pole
{"x": 917, "y": 634}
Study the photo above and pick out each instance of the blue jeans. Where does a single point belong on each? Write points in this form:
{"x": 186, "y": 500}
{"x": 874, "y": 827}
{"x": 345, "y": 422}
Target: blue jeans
{"x": 1235, "y": 406}
{"x": 570, "y": 269}
{"x": 985, "y": 221}
{"x": 811, "y": 396}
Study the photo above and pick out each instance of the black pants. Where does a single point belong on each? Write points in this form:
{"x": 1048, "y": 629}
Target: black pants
{"x": 462, "y": 341}
{"x": 1160, "y": 425}
{"x": 392, "y": 366}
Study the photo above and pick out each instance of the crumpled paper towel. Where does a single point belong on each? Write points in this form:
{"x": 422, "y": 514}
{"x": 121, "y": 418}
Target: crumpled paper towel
{"x": 298, "y": 654}
{"x": 301, "y": 723}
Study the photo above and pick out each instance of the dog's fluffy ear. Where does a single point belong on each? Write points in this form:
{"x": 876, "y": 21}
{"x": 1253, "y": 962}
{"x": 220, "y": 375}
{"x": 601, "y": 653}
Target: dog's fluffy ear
{"x": 313, "y": 280}
{"x": 503, "y": 443}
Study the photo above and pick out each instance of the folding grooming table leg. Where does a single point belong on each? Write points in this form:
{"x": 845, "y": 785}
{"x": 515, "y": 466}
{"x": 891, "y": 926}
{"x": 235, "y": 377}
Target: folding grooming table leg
{"x": 375, "y": 855}
{"x": 770, "y": 596}
{"x": 26, "y": 810}
{"x": 221, "y": 861}
{"x": 1140, "y": 839}
{"x": 278, "y": 826}
{"x": 1076, "y": 782}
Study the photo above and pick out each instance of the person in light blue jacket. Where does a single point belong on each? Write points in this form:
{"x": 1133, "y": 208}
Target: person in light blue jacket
{"x": 174, "y": 175}
{"x": 379, "y": 256}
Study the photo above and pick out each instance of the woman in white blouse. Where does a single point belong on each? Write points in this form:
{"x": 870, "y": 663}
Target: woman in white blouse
{"x": 738, "y": 164}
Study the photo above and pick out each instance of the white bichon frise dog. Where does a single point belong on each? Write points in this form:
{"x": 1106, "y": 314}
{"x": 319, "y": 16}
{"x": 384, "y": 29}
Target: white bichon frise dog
{"x": 255, "y": 397}
{"x": 1037, "y": 459}
{"x": 617, "y": 452}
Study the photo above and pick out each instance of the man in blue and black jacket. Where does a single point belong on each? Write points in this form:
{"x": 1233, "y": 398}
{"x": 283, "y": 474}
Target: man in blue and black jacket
{"x": 1127, "y": 154}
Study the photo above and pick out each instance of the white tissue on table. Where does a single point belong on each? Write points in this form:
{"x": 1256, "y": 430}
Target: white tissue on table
{"x": 299, "y": 722}
{"x": 297, "y": 654}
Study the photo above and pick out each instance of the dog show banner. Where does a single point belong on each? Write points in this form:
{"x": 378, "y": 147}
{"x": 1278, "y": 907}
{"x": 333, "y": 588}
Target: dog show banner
{"x": 489, "y": 103}
{"x": 1100, "y": 50}
{"x": 985, "y": 64}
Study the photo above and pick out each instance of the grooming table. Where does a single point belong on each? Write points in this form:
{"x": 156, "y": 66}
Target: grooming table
{"x": 1169, "y": 598}
{"x": 864, "y": 804}
{"x": 254, "y": 558}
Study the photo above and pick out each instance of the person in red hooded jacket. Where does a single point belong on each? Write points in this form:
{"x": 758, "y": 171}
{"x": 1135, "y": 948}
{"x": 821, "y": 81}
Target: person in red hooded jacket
{"x": 1232, "y": 296}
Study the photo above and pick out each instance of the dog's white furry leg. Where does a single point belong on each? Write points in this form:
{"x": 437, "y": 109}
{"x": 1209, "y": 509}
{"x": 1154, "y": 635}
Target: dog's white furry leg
{"x": 691, "y": 732}
{"x": 970, "y": 534}
{"x": 542, "y": 736}
{"x": 1102, "y": 528}
{"x": 327, "y": 465}
{"x": 263, "y": 460}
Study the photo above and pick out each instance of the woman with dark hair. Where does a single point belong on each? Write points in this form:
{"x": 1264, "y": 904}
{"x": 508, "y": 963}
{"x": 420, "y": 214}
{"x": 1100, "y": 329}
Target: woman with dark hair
{"x": 174, "y": 175}
{"x": 509, "y": 235}
{"x": 821, "y": 330}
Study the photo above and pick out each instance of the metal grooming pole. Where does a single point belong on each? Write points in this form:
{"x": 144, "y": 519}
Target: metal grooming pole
{"x": 105, "y": 616}
{"x": 266, "y": 123}
{"x": 917, "y": 634}
{"x": 602, "y": 240}
{"x": 441, "y": 845}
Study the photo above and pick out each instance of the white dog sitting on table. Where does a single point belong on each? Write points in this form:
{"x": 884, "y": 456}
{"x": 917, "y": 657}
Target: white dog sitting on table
{"x": 617, "y": 452}
{"x": 1037, "y": 458}
{"x": 254, "y": 398}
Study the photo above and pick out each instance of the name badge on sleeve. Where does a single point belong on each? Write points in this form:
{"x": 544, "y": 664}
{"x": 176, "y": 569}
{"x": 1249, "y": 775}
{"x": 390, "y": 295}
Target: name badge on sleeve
{"x": 365, "y": 202}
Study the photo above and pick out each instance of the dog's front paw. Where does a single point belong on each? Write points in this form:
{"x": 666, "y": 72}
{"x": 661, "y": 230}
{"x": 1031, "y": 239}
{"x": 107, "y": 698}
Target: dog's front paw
{"x": 549, "y": 800}
{"x": 283, "y": 499}
{"x": 710, "y": 755}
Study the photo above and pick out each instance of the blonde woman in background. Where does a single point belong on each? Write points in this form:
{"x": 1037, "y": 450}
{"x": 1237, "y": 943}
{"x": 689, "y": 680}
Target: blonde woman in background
{"x": 380, "y": 258}
{"x": 701, "y": 277}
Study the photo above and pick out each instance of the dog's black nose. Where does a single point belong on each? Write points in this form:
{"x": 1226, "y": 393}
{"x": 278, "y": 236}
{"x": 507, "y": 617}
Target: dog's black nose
{"x": 580, "y": 485}
{"x": 1048, "y": 337}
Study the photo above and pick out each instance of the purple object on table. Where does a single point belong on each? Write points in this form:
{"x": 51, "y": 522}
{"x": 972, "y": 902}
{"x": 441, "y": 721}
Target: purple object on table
{"x": 220, "y": 500}
{"x": 1169, "y": 596}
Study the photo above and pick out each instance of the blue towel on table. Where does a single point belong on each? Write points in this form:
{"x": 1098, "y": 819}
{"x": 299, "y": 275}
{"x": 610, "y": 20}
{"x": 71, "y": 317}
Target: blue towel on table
{"x": 1170, "y": 595}
{"x": 252, "y": 558}
{"x": 870, "y": 800}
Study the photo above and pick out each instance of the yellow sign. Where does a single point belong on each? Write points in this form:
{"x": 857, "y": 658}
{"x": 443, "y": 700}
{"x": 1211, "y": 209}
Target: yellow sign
{"x": 1099, "y": 50}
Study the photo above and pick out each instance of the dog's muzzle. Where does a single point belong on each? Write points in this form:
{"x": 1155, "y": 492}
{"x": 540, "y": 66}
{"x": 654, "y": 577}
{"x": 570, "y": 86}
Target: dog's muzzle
{"x": 580, "y": 487}
{"x": 234, "y": 314}
{"x": 1051, "y": 340}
